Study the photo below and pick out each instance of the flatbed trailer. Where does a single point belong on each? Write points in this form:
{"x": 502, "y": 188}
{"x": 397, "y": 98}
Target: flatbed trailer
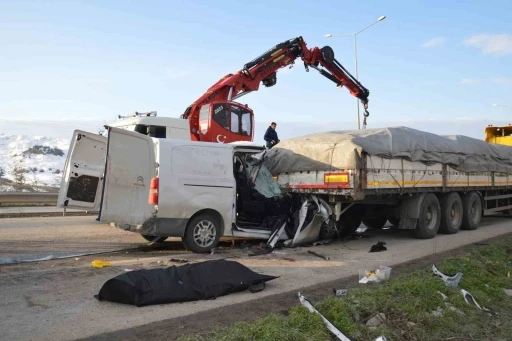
{"x": 423, "y": 182}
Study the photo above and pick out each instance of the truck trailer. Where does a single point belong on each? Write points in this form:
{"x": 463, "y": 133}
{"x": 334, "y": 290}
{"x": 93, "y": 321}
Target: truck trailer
{"x": 416, "y": 180}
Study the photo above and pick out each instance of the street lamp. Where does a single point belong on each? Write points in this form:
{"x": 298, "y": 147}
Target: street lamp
{"x": 355, "y": 55}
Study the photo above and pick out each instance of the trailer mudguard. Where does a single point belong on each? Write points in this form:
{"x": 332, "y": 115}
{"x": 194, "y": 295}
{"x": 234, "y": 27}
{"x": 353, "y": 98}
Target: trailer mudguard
{"x": 410, "y": 211}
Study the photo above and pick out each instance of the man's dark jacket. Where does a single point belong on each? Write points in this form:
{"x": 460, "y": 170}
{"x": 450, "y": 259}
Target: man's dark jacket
{"x": 270, "y": 135}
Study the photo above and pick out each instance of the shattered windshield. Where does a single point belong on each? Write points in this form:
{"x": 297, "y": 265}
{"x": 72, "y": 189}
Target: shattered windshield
{"x": 265, "y": 183}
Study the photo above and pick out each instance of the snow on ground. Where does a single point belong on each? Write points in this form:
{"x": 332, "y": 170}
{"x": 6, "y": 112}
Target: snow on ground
{"x": 21, "y": 151}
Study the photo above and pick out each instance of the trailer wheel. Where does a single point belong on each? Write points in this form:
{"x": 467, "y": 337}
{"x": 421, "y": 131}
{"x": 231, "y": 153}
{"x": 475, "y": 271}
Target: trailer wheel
{"x": 429, "y": 219}
{"x": 472, "y": 211}
{"x": 451, "y": 213}
{"x": 154, "y": 239}
{"x": 202, "y": 233}
{"x": 375, "y": 223}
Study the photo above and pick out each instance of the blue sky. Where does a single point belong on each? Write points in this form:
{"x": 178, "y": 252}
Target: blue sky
{"x": 433, "y": 65}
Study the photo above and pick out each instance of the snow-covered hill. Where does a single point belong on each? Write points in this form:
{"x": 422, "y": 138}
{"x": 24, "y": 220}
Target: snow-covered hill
{"x": 31, "y": 162}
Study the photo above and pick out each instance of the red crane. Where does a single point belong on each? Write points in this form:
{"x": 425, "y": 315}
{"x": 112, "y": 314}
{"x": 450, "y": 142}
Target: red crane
{"x": 215, "y": 117}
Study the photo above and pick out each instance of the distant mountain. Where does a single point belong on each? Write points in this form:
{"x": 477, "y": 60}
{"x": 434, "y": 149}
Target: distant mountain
{"x": 31, "y": 163}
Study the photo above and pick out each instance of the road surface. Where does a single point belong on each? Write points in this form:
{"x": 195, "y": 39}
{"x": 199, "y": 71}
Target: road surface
{"x": 53, "y": 300}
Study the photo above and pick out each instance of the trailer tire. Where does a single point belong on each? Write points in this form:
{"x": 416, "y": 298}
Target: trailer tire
{"x": 375, "y": 223}
{"x": 208, "y": 227}
{"x": 472, "y": 206}
{"x": 451, "y": 213}
{"x": 429, "y": 218}
{"x": 154, "y": 239}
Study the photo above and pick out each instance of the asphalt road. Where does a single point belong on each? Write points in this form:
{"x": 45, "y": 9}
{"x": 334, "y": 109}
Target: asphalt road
{"x": 53, "y": 300}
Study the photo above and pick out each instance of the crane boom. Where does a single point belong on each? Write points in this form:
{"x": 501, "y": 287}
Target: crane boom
{"x": 262, "y": 69}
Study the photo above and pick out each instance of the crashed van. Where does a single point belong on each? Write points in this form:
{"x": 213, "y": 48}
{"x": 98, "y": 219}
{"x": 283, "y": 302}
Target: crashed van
{"x": 197, "y": 191}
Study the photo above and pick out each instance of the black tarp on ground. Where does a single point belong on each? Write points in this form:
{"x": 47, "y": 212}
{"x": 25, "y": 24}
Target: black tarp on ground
{"x": 189, "y": 282}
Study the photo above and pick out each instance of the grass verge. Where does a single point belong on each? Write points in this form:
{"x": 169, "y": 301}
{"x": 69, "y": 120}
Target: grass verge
{"x": 408, "y": 302}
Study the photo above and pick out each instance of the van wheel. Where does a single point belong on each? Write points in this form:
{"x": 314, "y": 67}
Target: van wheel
{"x": 451, "y": 213}
{"x": 472, "y": 211}
{"x": 429, "y": 219}
{"x": 202, "y": 234}
{"x": 154, "y": 239}
{"x": 375, "y": 223}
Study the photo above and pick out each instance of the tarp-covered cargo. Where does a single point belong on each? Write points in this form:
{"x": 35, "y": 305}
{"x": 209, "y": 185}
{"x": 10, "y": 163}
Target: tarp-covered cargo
{"x": 339, "y": 150}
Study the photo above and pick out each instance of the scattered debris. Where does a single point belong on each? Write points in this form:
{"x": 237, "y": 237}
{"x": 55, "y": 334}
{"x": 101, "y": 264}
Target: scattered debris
{"x": 443, "y": 295}
{"x": 128, "y": 270}
{"x": 98, "y": 264}
{"x": 290, "y": 259}
{"x": 188, "y": 282}
{"x": 471, "y": 300}
{"x": 322, "y": 242}
{"x": 376, "y": 321}
{"x": 177, "y": 260}
{"x": 411, "y": 324}
{"x": 453, "y": 308}
{"x": 77, "y": 258}
{"x": 382, "y": 273}
{"x": 319, "y": 255}
{"x": 340, "y": 292}
{"x": 508, "y": 292}
{"x": 330, "y": 326}
{"x": 438, "y": 312}
{"x": 451, "y": 281}
{"x": 379, "y": 247}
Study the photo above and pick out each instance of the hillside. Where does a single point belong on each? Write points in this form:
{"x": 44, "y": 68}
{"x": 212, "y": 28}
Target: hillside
{"x": 31, "y": 163}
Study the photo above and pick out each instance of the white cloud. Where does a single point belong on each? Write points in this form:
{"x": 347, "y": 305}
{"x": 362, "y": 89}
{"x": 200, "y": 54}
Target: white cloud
{"x": 469, "y": 81}
{"x": 434, "y": 42}
{"x": 500, "y": 80}
{"x": 498, "y": 44}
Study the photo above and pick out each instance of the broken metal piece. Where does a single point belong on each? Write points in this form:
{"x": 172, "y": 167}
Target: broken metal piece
{"x": 451, "y": 281}
{"x": 319, "y": 255}
{"x": 379, "y": 247}
{"x": 471, "y": 300}
{"x": 330, "y": 326}
{"x": 340, "y": 292}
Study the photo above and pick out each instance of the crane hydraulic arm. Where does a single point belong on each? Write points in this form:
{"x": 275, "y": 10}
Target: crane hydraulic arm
{"x": 263, "y": 69}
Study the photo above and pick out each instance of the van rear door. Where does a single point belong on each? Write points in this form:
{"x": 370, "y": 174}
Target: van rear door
{"x": 82, "y": 177}
{"x": 129, "y": 168}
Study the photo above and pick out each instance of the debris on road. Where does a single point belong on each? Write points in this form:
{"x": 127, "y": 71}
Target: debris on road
{"x": 178, "y": 260}
{"x": 189, "y": 282}
{"x": 451, "y": 281}
{"x": 376, "y": 321}
{"x": 379, "y": 247}
{"x": 98, "y": 264}
{"x": 319, "y": 255}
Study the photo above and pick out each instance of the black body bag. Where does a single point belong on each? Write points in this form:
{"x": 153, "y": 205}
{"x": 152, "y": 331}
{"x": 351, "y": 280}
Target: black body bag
{"x": 188, "y": 282}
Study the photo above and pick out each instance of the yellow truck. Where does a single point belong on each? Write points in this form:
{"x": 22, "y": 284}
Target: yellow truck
{"x": 499, "y": 135}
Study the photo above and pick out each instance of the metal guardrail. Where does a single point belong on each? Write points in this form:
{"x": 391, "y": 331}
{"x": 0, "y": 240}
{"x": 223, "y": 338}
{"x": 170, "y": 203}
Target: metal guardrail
{"x": 28, "y": 198}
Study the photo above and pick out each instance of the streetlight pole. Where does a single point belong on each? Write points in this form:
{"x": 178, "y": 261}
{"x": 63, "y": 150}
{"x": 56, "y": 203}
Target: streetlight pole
{"x": 355, "y": 57}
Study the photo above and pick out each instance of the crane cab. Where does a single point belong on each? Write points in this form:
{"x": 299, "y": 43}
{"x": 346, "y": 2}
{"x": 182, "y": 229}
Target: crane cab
{"x": 499, "y": 135}
{"x": 226, "y": 122}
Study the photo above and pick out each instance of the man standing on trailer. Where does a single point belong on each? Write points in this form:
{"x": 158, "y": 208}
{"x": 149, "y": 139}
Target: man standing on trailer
{"x": 271, "y": 136}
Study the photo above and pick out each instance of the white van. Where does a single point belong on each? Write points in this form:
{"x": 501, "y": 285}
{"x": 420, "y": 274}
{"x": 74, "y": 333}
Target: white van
{"x": 198, "y": 191}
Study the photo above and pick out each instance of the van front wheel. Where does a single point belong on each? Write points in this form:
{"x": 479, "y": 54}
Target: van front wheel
{"x": 202, "y": 233}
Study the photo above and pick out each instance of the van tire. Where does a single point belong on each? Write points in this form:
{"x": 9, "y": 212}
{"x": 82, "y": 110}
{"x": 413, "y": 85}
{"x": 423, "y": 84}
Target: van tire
{"x": 207, "y": 223}
{"x": 429, "y": 218}
{"x": 154, "y": 239}
{"x": 451, "y": 213}
{"x": 472, "y": 206}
